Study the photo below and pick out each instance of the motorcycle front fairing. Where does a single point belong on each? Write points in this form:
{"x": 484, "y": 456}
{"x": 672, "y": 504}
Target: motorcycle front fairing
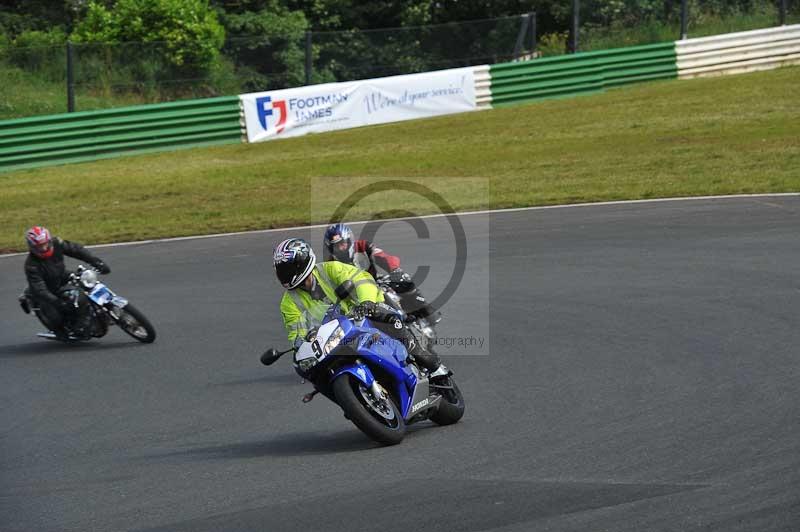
{"x": 379, "y": 352}
{"x": 360, "y": 349}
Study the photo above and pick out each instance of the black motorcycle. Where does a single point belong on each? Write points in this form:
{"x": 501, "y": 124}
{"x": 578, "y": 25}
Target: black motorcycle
{"x": 412, "y": 304}
{"x": 105, "y": 308}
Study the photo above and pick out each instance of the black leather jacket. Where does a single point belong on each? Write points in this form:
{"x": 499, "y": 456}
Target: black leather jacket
{"x": 46, "y": 276}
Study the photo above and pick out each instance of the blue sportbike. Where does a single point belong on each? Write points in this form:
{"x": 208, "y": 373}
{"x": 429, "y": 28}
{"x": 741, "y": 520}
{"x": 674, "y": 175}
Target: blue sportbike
{"x": 371, "y": 376}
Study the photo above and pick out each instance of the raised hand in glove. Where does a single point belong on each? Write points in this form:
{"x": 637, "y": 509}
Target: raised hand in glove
{"x": 102, "y": 267}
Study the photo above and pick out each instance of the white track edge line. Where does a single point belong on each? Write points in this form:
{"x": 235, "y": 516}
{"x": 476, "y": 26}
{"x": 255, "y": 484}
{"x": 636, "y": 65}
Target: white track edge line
{"x": 441, "y": 215}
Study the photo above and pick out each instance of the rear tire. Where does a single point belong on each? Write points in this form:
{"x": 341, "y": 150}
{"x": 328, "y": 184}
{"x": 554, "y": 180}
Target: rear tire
{"x": 451, "y": 407}
{"x": 350, "y": 392}
{"x": 135, "y": 324}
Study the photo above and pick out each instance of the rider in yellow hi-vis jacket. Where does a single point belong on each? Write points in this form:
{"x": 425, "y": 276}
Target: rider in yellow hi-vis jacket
{"x": 310, "y": 291}
{"x": 325, "y": 277}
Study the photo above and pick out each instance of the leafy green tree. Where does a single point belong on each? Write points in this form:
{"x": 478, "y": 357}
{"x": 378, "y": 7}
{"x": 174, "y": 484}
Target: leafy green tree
{"x": 189, "y": 29}
{"x": 266, "y": 40}
{"x": 41, "y": 52}
{"x": 17, "y": 16}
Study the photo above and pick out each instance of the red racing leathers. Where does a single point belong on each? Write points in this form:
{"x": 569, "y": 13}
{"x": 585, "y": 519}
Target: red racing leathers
{"x": 367, "y": 255}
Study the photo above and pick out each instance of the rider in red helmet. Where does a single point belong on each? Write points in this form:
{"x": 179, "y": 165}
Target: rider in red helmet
{"x": 47, "y": 280}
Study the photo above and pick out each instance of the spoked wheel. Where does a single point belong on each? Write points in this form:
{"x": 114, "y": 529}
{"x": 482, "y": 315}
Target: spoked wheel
{"x": 133, "y": 322}
{"x": 378, "y": 418}
{"x": 451, "y": 407}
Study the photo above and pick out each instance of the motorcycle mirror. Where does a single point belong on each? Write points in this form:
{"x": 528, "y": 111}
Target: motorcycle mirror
{"x": 270, "y": 356}
{"x": 345, "y": 289}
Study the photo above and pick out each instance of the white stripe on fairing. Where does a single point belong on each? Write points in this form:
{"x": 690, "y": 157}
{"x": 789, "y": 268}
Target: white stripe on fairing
{"x": 466, "y": 213}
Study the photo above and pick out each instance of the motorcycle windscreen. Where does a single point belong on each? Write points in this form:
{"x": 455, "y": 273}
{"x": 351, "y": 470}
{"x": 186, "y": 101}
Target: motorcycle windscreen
{"x": 310, "y": 319}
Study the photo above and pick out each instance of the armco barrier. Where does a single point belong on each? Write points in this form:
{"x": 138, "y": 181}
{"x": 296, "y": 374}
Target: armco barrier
{"x": 580, "y": 73}
{"x": 734, "y": 53}
{"x": 90, "y": 135}
{"x": 483, "y": 86}
{"x": 85, "y": 136}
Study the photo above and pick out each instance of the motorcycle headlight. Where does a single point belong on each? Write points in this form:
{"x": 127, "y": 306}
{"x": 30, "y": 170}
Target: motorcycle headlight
{"x": 89, "y": 278}
{"x": 306, "y": 364}
{"x": 333, "y": 340}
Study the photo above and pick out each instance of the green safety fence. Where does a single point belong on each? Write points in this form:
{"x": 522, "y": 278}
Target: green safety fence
{"x": 91, "y": 135}
{"x": 579, "y": 73}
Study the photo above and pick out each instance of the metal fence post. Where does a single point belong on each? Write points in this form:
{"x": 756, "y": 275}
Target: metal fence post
{"x": 782, "y": 13}
{"x": 520, "y": 43}
{"x": 573, "y": 42}
{"x": 308, "y": 58}
{"x": 684, "y": 17}
{"x": 532, "y": 18}
{"x": 70, "y": 80}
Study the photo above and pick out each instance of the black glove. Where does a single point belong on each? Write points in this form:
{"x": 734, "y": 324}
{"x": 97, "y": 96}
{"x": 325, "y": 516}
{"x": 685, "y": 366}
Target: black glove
{"x": 368, "y": 309}
{"x": 102, "y": 267}
{"x": 401, "y": 281}
{"x": 364, "y": 310}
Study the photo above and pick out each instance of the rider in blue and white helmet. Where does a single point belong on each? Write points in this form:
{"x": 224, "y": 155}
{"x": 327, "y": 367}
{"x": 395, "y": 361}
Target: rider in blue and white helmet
{"x": 340, "y": 244}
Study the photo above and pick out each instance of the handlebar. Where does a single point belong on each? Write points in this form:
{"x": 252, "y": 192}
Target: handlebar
{"x": 80, "y": 269}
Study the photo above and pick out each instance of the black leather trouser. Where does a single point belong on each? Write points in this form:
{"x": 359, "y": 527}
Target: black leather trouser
{"x": 77, "y": 318}
{"x": 51, "y": 316}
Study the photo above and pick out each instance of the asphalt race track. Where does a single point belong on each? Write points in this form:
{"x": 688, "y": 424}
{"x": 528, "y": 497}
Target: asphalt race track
{"x": 639, "y": 372}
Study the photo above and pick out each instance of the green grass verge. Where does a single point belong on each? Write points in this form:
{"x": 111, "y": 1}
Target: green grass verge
{"x": 702, "y": 25}
{"x": 737, "y": 134}
{"x": 27, "y": 94}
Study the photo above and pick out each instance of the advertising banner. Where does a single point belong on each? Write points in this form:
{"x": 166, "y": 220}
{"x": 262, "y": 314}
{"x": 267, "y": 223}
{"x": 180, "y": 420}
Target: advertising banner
{"x": 331, "y": 106}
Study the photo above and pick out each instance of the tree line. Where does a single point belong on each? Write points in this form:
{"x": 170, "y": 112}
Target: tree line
{"x": 258, "y": 44}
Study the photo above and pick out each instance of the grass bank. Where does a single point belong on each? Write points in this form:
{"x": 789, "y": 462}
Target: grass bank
{"x": 27, "y": 94}
{"x": 737, "y": 134}
{"x": 701, "y": 25}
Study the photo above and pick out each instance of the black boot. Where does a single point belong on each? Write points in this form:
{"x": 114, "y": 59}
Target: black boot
{"x": 427, "y": 360}
{"x": 428, "y": 312}
{"x": 415, "y": 304}
{"x": 82, "y": 327}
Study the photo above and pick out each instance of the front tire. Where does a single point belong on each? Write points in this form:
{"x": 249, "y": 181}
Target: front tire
{"x": 134, "y": 323}
{"x": 380, "y": 420}
{"x": 451, "y": 407}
